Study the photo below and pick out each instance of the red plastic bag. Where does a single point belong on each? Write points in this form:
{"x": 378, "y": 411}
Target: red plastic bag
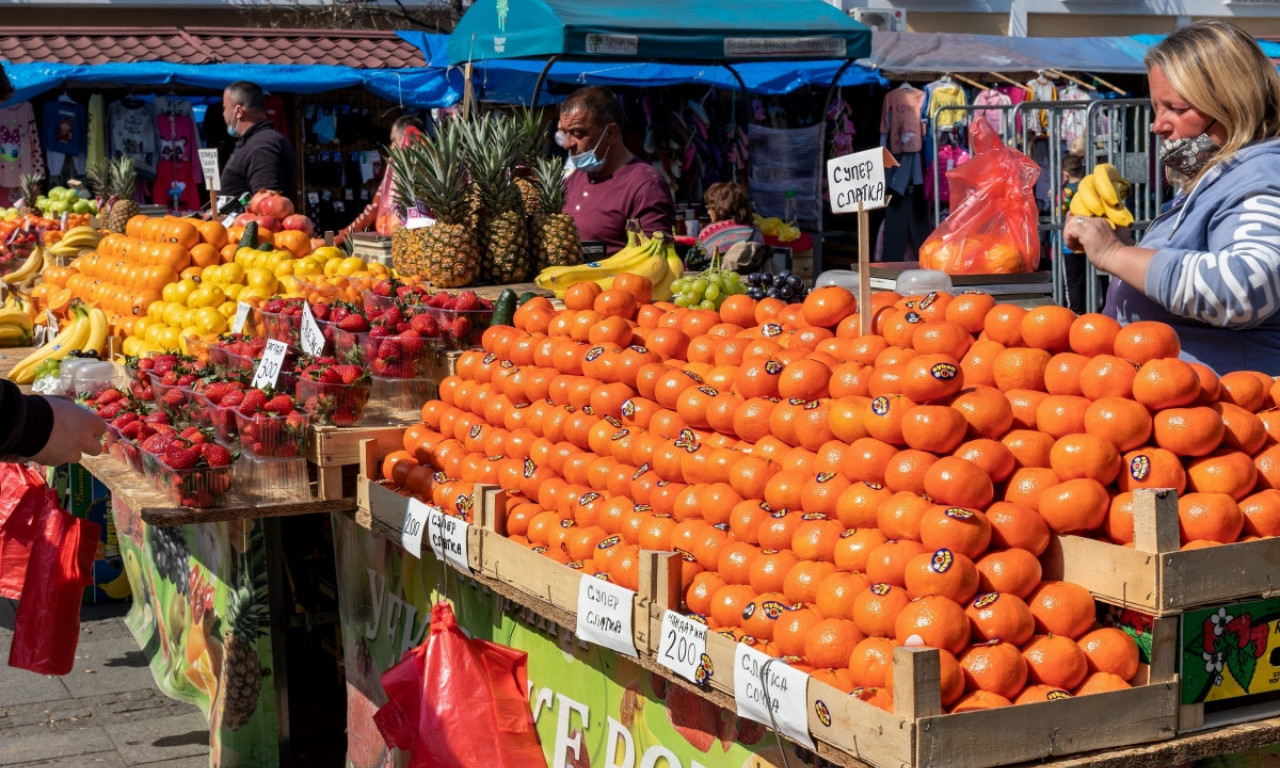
{"x": 993, "y": 226}
{"x": 388, "y": 220}
{"x": 23, "y": 494}
{"x": 457, "y": 702}
{"x": 47, "y": 626}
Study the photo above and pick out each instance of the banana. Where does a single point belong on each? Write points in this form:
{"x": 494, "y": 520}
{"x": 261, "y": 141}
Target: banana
{"x": 98, "y": 327}
{"x": 1086, "y": 197}
{"x": 30, "y": 268}
{"x": 17, "y": 316}
{"x": 653, "y": 268}
{"x": 1119, "y": 216}
{"x": 12, "y": 335}
{"x": 1112, "y": 188}
{"x": 558, "y": 279}
{"x": 72, "y": 337}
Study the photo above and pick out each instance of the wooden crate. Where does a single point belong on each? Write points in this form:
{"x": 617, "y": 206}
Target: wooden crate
{"x": 847, "y": 730}
{"x": 336, "y": 453}
{"x": 1155, "y": 576}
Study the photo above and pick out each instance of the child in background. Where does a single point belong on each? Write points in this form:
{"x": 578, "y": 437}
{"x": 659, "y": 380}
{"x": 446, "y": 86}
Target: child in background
{"x": 1073, "y": 262}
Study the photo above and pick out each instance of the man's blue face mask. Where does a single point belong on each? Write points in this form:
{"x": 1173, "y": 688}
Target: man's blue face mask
{"x": 587, "y": 161}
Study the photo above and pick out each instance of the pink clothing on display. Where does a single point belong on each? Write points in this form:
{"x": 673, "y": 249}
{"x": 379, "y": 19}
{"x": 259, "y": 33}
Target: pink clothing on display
{"x": 19, "y": 144}
{"x": 996, "y": 118}
{"x": 177, "y": 164}
{"x": 902, "y": 120}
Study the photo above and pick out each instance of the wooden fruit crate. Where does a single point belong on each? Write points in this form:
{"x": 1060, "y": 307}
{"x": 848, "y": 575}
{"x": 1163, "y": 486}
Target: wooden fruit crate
{"x": 336, "y": 453}
{"x": 847, "y": 731}
{"x": 1155, "y": 576}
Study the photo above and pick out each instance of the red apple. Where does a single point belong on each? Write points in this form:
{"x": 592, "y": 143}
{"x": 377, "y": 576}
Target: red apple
{"x": 275, "y": 205}
{"x": 299, "y": 222}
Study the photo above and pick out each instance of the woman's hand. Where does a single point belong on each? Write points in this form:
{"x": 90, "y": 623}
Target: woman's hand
{"x": 1093, "y": 235}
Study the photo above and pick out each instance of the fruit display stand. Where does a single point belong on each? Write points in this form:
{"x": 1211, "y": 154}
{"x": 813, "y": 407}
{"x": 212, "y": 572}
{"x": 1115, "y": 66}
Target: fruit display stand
{"x": 845, "y": 731}
{"x": 210, "y": 607}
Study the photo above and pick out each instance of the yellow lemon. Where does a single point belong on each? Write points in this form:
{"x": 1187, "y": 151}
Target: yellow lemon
{"x": 245, "y": 256}
{"x": 379, "y": 269}
{"x": 233, "y": 291}
{"x": 260, "y": 277}
{"x": 155, "y": 310}
{"x": 212, "y": 275}
{"x": 210, "y": 321}
{"x": 326, "y": 252}
{"x": 169, "y": 292}
{"x": 227, "y": 308}
{"x": 290, "y": 284}
{"x": 307, "y": 265}
{"x": 331, "y": 266}
{"x": 171, "y": 314}
{"x": 250, "y": 293}
{"x": 171, "y": 338}
{"x": 141, "y": 325}
{"x": 285, "y": 267}
{"x": 130, "y": 346}
{"x": 153, "y": 332}
{"x": 232, "y": 274}
{"x": 350, "y": 264}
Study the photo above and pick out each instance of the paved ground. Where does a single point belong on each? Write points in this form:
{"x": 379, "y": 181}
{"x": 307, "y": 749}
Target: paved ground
{"x": 107, "y": 713}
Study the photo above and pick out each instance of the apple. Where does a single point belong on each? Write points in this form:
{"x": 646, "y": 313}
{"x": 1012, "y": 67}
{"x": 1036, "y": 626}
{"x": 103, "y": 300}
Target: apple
{"x": 299, "y": 222}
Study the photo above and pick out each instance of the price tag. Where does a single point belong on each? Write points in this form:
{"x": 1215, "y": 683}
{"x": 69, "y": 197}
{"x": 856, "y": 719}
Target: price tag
{"x": 434, "y": 520}
{"x": 63, "y": 220}
{"x": 312, "y": 336}
{"x": 230, "y": 220}
{"x": 418, "y": 221}
{"x": 242, "y": 314}
{"x": 51, "y": 324}
{"x": 604, "y": 615}
{"x": 683, "y": 647}
{"x": 449, "y": 540}
{"x": 270, "y": 365}
{"x": 786, "y": 690}
{"x": 858, "y": 178}
{"x": 415, "y": 523}
{"x": 209, "y": 164}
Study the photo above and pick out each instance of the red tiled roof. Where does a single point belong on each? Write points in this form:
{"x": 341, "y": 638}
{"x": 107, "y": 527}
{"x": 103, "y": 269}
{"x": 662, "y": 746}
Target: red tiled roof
{"x": 208, "y": 45}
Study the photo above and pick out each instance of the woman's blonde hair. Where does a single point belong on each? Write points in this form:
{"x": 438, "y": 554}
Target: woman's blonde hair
{"x": 1221, "y": 72}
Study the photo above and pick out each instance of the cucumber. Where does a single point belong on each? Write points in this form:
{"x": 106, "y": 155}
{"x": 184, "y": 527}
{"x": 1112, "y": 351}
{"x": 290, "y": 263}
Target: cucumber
{"x": 525, "y": 297}
{"x": 250, "y": 237}
{"x": 504, "y": 308}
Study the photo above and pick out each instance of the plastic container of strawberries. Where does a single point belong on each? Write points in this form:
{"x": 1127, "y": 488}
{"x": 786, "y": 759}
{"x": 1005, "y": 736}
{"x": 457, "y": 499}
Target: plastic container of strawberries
{"x": 223, "y": 420}
{"x": 400, "y": 356}
{"x": 123, "y": 448}
{"x": 267, "y": 480}
{"x": 279, "y": 326}
{"x": 273, "y": 435}
{"x": 462, "y": 328}
{"x": 177, "y": 401}
{"x": 333, "y": 404}
{"x": 198, "y": 487}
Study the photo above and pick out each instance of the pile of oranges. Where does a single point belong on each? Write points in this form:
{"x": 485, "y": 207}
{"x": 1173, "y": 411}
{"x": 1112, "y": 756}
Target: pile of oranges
{"x": 834, "y": 495}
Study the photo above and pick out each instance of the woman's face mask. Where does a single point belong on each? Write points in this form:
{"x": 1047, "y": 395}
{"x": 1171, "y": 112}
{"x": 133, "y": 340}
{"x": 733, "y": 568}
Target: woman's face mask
{"x": 1187, "y": 156}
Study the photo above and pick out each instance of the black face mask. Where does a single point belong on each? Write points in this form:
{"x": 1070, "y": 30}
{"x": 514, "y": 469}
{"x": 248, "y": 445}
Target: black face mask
{"x": 1188, "y": 156}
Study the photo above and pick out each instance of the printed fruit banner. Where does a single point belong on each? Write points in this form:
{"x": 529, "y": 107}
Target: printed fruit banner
{"x": 592, "y": 706}
{"x": 200, "y": 614}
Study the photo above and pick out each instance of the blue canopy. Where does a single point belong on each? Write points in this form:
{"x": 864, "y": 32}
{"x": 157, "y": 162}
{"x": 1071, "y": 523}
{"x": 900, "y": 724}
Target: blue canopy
{"x": 412, "y": 86}
{"x": 710, "y": 30}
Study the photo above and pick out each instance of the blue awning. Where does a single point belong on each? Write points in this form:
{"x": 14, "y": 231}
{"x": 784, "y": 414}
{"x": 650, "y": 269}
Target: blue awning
{"x": 709, "y": 30}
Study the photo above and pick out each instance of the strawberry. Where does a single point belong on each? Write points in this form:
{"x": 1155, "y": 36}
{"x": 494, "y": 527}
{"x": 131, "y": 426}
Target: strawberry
{"x": 383, "y": 288}
{"x": 216, "y": 454}
{"x": 274, "y": 306}
{"x": 111, "y": 410}
{"x": 108, "y": 397}
{"x": 439, "y": 300}
{"x": 231, "y": 399}
{"x": 158, "y": 417}
{"x": 354, "y": 323}
{"x": 389, "y": 350}
{"x": 466, "y": 301}
{"x": 348, "y": 374}
{"x": 131, "y": 430}
{"x": 127, "y": 417}
{"x": 460, "y": 328}
{"x": 175, "y": 399}
{"x": 320, "y": 311}
{"x": 180, "y": 456}
{"x": 279, "y": 404}
{"x": 392, "y": 317}
{"x": 253, "y": 401}
{"x": 330, "y": 376}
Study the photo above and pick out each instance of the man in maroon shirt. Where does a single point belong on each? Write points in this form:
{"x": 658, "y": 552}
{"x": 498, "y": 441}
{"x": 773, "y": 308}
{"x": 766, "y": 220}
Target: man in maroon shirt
{"x": 608, "y": 184}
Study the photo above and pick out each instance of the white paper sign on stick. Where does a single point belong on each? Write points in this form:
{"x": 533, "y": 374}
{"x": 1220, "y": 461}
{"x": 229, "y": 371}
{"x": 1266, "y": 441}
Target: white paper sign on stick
{"x": 683, "y": 647}
{"x": 312, "y": 336}
{"x": 415, "y": 524}
{"x": 858, "y": 178}
{"x": 604, "y": 615}
{"x": 242, "y": 314}
{"x": 269, "y": 367}
{"x": 209, "y": 165}
{"x": 786, "y": 692}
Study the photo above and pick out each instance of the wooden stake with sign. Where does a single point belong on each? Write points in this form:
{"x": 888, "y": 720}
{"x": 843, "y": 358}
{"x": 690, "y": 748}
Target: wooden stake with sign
{"x": 213, "y": 180}
{"x": 856, "y": 184}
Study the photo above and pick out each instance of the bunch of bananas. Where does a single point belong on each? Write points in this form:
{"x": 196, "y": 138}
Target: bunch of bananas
{"x": 1102, "y": 193}
{"x": 85, "y": 331}
{"x": 776, "y": 227}
{"x": 30, "y": 268}
{"x": 15, "y": 322}
{"x": 652, "y": 257}
{"x": 75, "y": 240}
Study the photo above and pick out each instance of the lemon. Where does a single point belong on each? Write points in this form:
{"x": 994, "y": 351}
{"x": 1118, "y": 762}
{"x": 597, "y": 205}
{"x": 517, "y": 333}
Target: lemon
{"x": 155, "y": 310}
{"x": 141, "y": 325}
{"x": 211, "y": 275}
{"x": 307, "y": 265}
{"x": 250, "y": 292}
{"x": 232, "y": 274}
{"x": 233, "y": 291}
{"x": 227, "y": 308}
{"x": 152, "y": 335}
{"x": 327, "y": 252}
{"x": 171, "y": 314}
{"x": 170, "y": 338}
{"x": 210, "y": 321}
{"x": 285, "y": 267}
{"x": 350, "y": 264}
{"x": 130, "y": 346}
{"x": 261, "y": 277}
{"x": 289, "y": 284}
{"x": 169, "y": 293}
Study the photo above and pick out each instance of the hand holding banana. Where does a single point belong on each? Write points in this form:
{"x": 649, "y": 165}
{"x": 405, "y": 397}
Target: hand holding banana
{"x": 1102, "y": 194}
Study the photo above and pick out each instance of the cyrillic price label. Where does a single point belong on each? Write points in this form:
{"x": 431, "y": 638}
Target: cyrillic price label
{"x": 242, "y": 314}
{"x": 312, "y": 336}
{"x": 604, "y": 615}
{"x": 415, "y": 523}
{"x": 779, "y": 687}
{"x": 270, "y": 365}
{"x": 449, "y": 540}
{"x": 683, "y": 647}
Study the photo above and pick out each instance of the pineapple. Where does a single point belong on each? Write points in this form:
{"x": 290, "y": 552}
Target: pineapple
{"x": 123, "y": 180}
{"x": 98, "y": 177}
{"x": 447, "y": 253}
{"x": 531, "y": 146}
{"x": 29, "y": 188}
{"x": 555, "y": 234}
{"x": 492, "y": 144}
{"x": 241, "y": 679}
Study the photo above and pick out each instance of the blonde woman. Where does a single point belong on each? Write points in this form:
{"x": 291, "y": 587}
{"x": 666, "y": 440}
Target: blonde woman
{"x": 1210, "y": 265}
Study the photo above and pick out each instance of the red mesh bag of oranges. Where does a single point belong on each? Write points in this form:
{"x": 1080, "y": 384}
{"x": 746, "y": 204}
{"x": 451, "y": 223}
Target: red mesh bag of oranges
{"x": 992, "y": 227}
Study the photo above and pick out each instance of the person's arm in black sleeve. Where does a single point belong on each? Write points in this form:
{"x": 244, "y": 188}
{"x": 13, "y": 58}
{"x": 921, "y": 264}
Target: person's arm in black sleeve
{"x": 26, "y": 421}
{"x": 46, "y": 430}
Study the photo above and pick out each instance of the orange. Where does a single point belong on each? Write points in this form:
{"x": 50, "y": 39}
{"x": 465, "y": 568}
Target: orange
{"x": 929, "y": 378}
{"x": 1194, "y": 431}
{"x": 1261, "y": 513}
{"x": 1048, "y": 327}
{"x": 969, "y": 310}
{"x": 985, "y": 409}
{"x": 996, "y": 668}
{"x": 1015, "y": 572}
{"x": 1125, "y": 423}
{"x": 993, "y": 456}
{"x": 1038, "y": 692}
{"x": 834, "y": 594}
{"x": 698, "y": 597}
{"x": 792, "y": 628}
{"x": 906, "y": 470}
{"x": 760, "y": 616}
{"x": 933, "y": 621}
{"x": 1074, "y": 506}
{"x": 1147, "y": 340}
{"x": 866, "y": 460}
{"x": 898, "y": 516}
{"x": 1244, "y": 431}
{"x": 951, "y": 680}
{"x": 1020, "y": 368}
{"x": 871, "y": 663}
{"x": 1209, "y": 517}
{"x": 1056, "y": 661}
{"x": 884, "y": 415}
{"x": 1014, "y": 526}
{"x": 1225, "y": 471}
{"x": 734, "y": 562}
{"x": 768, "y": 571}
{"x": 728, "y": 603}
{"x": 1093, "y": 334}
{"x": 959, "y": 482}
{"x": 1100, "y": 682}
{"x": 616, "y": 303}
{"x": 888, "y": 562}
{"x": 776, "y": 531}
{"x": 1003, "y": 324}
{"x": 976, "y": 701}
{"x": 935, "y": 428}
{"x": 941, "y": 572}
{"x": 1024, "y": 404}
{"x": 827, "y": 306}
{"x": 1062, "y": 374}
{"x": 858, "y": 504}
{"x": 804, "y": 379}
{"x": 853, "y": 551}
{"x": 640, "y": 287}
{"x": 1060, "y": 415}
{"x": 978, "y": 364}
{"x": 1107, "y": 376}
{"x": 816, "y": 537}
{"x": 1030, "y": 448}
{"x": 1120, "y": 518}
{"x": 965, "y": 531}
{"x": 941, "y": 337}
{"x": 875, "y": 609}
{"x": 582, "y": 295}
{"x": 1210, "y": 386}
{"x": 1110, "y": 650}
{"x": 1268, "y": 463}
{"x": 1166, "y": 383}
{"x": 1246, "y": 389}
{"x": 1085, "y": 455}
{"x": 1151, "y": 467}
{"x": 1000, "y": 616}
{"x": 1062, "y": 608}
{"x": 830, "y": 642}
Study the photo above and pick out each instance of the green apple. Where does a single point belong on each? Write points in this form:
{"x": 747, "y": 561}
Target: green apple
{"x": 81, "y": 206}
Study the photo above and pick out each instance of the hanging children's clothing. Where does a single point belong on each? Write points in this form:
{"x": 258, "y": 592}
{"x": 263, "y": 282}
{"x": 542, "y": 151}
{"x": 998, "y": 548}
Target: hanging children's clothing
{"x": 1041, "y": 89}
{"x": 949, "y": 156}
{"x": 65, "y": 126}
{"x": 942, "y": 94}
{"x": 1017, "y": 94}
{"x": 19, "y": 144}
{"x": 177, "y": 172}
{"x": 998, "y": 119}
{"x": 133, "y": 133}
{"x": 902, "y": 130}
{"x": 902, "y": 120}
{"x": 1073, "y": 119}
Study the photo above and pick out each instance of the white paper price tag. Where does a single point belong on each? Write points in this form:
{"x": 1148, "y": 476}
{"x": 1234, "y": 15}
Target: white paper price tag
{"x": 209, "y": 165}
{"x": 230, "y": 220}
{"x": 51, "y": 323}
{"x": 415, "y": 523}
{"x": 858, "y": 178}
{"x": 242, "y": 314}
{"x": 683, "y": 647}
{"x": 418, "y": 222}
{"x": 449, "y": 540}
{"x": 787, "y": 693}
{"x": 604, "y": 615}
{"x": 270, "y": 365}
{"x": 435, "y": 519}
{"x": 312, "y": 336}
{"x": 63, "y": 221}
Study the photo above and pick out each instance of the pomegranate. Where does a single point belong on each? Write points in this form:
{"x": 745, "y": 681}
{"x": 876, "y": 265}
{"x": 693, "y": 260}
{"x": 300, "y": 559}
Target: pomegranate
{"x": 245, "y": 218}
{"x": 299, "y": 222}
{"x": 257, "y": 198}
{"x": 269, "y": 223}
{"x": 275, "y": 205}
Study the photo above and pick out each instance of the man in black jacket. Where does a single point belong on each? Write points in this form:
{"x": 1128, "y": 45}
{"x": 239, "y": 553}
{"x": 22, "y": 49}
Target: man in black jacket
{"x": 263, "y": 157}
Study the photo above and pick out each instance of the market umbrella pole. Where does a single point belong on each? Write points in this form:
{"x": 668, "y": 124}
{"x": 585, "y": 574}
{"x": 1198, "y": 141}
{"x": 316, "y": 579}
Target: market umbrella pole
{"x": 864, "y": 271}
